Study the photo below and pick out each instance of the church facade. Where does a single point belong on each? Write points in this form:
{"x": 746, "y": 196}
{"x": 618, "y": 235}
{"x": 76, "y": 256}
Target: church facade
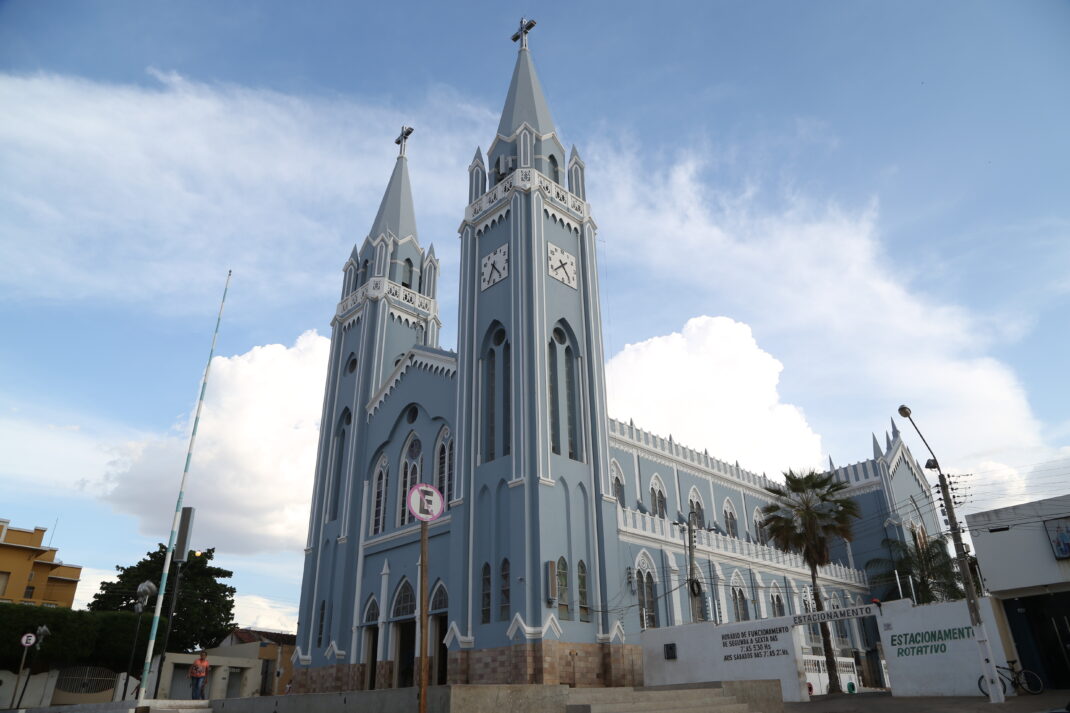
{"x": 566, "y": 532}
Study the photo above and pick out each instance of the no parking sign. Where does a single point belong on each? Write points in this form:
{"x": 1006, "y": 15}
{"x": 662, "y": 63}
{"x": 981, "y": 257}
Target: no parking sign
{"x": 425, "y": 502}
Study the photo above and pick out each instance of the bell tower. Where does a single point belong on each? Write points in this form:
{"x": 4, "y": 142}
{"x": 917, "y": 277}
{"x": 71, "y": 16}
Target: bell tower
{"x": 531, "y": 393}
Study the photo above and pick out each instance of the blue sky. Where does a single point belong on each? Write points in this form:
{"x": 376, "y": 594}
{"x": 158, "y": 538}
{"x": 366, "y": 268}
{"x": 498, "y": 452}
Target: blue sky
{"x": 808, "y": 214}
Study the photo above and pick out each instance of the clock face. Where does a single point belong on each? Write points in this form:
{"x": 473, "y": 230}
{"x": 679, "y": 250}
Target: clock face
{"x": 561, "y": 265}
{"x": 495, "y": 267}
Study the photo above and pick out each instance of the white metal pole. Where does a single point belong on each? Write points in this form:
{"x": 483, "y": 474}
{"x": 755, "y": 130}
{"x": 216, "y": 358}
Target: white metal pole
{"x": 178, "y": 506}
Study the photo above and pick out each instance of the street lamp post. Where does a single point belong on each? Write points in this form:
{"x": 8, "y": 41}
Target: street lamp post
{"x": 144, "y": 590}
{"x": 995, "y": 692}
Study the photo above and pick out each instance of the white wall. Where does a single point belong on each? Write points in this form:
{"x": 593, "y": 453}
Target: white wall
{"x": 763, "y": 649}
{"x": 1020, "y": 557}
{"x": 931, "y": 650}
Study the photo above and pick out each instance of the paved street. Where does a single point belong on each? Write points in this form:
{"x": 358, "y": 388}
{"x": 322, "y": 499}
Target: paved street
{"x": 885, "y": 703}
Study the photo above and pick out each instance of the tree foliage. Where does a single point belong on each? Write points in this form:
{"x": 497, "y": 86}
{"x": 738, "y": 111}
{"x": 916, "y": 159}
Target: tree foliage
{"x": 204, "y": 613}
{"x": 807, "y": 512}
{"x": 936, "y": 577}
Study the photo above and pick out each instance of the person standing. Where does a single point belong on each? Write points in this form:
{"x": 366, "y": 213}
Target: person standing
{"x": 198, "y": 673}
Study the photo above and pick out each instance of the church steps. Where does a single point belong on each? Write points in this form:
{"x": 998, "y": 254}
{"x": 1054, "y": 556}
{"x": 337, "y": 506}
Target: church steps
{"x": 628, "y": 700}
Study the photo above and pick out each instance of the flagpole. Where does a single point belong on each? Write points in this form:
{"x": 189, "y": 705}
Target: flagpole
{"x": 178, "y": 508}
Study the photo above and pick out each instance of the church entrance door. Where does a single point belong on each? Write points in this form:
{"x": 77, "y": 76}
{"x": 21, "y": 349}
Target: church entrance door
{"x": 371, "y": 656}
{"x": 406, "y": 651}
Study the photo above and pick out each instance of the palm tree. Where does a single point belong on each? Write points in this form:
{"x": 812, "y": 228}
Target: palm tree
{"x": 927, "y": 561}
{"x": 806, "y": 513}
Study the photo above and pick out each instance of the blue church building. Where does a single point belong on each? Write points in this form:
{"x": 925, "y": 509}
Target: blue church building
{"x": 566, "y": 532}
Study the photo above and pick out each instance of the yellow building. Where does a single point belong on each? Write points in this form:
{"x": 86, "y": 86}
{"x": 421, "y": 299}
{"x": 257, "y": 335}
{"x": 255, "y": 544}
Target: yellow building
{"x": 30, "y": 572}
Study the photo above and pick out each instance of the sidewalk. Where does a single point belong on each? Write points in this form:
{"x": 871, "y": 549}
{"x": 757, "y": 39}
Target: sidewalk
{"x": 884, "y": 703}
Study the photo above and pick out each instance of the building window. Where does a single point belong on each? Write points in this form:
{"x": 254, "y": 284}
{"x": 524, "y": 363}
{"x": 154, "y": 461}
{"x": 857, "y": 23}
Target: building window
{"x": 555, "y": 407}
{"x": 405, "y": 603}
{"x": 618, "y": 490}
{"x": 731, "y": 526}
{"x": 485, "y": 594}
{"x": 554, "y": 170}
{"x": 760, "y": 534}
{"x": 497, "y": 360}
{"x": 444, "y": 466}
{"x": 739, "y": 604}
{"x": 338, "y": 469}
{"x": 406, "y": 273}
{"x": 410, "y": 476}
{"x": 379, "y": 504}
{"x": 441, "y": 599}
{"x": 581, "y": 589}
{"x": 563, "y": 358}
{"x": 778, "y": 605}
{"x": 319, "y": 628}
{"x": 695, "y": 507}
{"x": 648, "y": 605}
{"x": 507, "y": 406}
{"x": 657, "y": 500}
{"x": 563, "y": 611}
{"x": 503, "y": 598}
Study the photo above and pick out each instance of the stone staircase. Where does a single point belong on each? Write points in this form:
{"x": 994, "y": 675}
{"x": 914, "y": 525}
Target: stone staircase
{"x": 640, "y": 700}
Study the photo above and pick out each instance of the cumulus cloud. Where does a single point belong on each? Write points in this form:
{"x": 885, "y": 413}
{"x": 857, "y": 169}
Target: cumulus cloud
{"x": 89, "y": 584}
{"x": 141, "y": 193}
{"x": 255, "y": 456}
{"x": 252, "y": 611}
{"x": 847, "y": 316}
{"x": 711, "y": 386}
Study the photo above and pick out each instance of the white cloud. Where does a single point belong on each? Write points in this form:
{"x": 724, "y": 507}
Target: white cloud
{"x": 252, "y": 611}
{"x": 89, "y": 584}
{"x": 848, "y": 318}
{"x": 144, "y": 193}
{"x": 711, "y": 386}
{"x": 254, "y": 461}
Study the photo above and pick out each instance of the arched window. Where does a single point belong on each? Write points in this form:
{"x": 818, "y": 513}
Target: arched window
{"x": 364, "y": 274}
{"x": 410, "y": 476}
{"x": 404, "y": 602}
{"x": 648, "y": 600}
{"x": 739, "y": 604}
{"x": 339, "y": 464}
{"x": 563, "y": 611}
{"x": 350, "y": 279}
{"x": 379, "y": 498}
{"x": 694, "y": 505}
{"x": 563, "y": 365}
{"x": 497, "y": 393}
{"x": 555, "y": 172}
{"x": 503, "y": 594}
{"x": 777, "y": 602}
{"x": 440, "y": 600}
{"x": 444, "y": 466}
{"x": 760, "y": 534}
{"x": 406, "y": 273}
{"x": 657, "y": 498}
{"x": 618, "y": 490}
{"x": 319, "y": 627}
{"x": 581, "y": 589}
{"x": 731, "y": 525}
{"x": 371, "y": 612}
{"x": 485, "y": 594}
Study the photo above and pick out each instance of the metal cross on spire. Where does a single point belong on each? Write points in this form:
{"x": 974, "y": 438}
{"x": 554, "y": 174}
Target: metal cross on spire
{"x": 521, "y": 35}
{"x": 403, "y": 137}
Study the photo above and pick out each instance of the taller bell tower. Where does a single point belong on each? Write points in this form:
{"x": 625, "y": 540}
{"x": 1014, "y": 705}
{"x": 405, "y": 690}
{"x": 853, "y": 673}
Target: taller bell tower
{"x": 531, "y": 400}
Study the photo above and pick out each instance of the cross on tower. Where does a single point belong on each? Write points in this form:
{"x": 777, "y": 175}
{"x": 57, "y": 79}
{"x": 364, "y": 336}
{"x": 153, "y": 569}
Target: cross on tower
{"x": 522, "y": 33}
{"x": 406, "y": 132}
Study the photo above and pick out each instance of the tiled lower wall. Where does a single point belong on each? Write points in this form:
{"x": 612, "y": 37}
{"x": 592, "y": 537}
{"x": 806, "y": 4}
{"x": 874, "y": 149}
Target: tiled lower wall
{"x": 545, "y": 662}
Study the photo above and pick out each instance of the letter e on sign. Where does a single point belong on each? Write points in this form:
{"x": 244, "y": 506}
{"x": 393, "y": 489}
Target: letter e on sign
{"x": 28, "y": 639}
{"x": 425, "y": 502}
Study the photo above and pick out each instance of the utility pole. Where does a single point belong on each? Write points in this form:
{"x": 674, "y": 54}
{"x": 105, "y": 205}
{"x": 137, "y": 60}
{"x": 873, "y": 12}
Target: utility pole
{"x": 988, "y": 668}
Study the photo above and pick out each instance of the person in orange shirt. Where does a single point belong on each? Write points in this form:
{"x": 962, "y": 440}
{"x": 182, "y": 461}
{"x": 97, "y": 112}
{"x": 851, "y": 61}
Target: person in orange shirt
{"x": 198, "y": 673}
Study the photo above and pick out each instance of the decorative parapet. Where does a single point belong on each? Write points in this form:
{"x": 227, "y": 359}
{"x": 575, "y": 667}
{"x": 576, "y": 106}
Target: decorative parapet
{"x": 636, "y": 523}
{"x": 527, "y": 179}
{"x": 378, "y": 288}
{"x": 627, "y": 432}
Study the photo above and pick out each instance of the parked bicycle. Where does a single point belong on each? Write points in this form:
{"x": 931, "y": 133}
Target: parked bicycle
{"x": 1021, "y": 679}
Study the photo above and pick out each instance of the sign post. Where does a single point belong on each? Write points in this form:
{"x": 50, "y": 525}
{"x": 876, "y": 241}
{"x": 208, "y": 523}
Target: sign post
{"x": 27, "y": 640}
{"x": 426, "y": 504}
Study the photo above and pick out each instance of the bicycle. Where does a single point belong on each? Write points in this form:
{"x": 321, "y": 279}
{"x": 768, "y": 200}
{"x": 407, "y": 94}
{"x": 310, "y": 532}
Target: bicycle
{"x": 1022, "y": 679}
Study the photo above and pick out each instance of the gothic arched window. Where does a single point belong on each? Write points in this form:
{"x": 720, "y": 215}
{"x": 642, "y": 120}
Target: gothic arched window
{"x": 497, "y": 393}
{"x": 440, "y": 600}
{"x": 694, "y": 505}
{"x": 777, "y": 602}
{"x": 581, "y": 591}
{"x": 319, "y": 627}
{"x": 406, "y": 273}
{"x": 563, "y": 611}
{"x": 731, "y": 525}
{"x": 648, "y": 601}
{"x": 555, "y": 172}
{"x": 739, "y": 603}
{"x": 410, "y": 476}
{"x": 404, "y": 602}
{"x": 503, "y": 593}
{"x": 563, "y": 364}
{"x": 379, "y": 499}
{"x": 485, "y": 594}
{"x": 760, "y": 534}
{"x": 444, "y": 466}
{"x": 338, "y": 467}
{"x": 657, "y": 498}
{"x": 618, "y": 490}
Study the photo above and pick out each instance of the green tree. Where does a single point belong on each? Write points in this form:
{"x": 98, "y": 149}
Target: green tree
{"x": 928, "y": 562}
{"x": 204, "y": 613}
{"x": 807, "y": 512}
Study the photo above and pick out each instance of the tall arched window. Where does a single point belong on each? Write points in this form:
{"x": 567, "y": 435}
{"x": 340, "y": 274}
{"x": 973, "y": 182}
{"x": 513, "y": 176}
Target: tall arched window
{"x": 555, "y": 172}
{"x": 563, "y": 366}
{"x": 406, "y": 273}
{"x": 339, "y": 464}
{"x": 410, "y": 476}
{"x": 581, "y": 590}
{"x": 319, "y": 627}
{"x": 694, "y": 505}
{"x": 649, "y": 603}
{"x": 731, "y": 525}
{"x": 503, "y": 594}
{"x": 485, "y": 594}
{"x": 760, "y": 534}
{"x": 497, "y": 393}
{"x": 563, "y": 611}
{"x": 444, "y": 465}
{"x": 657, "y": 498}
{"x": 379, "y": 499}
{"x": 364, "y": 274}
{"x": 739, "y": 604}
{"x": 777, "y": 602}
{"x": 618, "y": 490}
{"x": 404, "y": 602}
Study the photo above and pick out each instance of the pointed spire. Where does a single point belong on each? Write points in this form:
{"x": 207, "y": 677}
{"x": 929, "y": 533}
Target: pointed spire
{"x": 431, "y": 252}
{"x": 477, "y": 160}
{"x": 525, "y": 101}
{"x": 831, "y": 466}
{"x": 895, "y": 429}
{"x": 887, "y": 441}
{"x": 877, "y": 454}
{"x": 396, "y": 214}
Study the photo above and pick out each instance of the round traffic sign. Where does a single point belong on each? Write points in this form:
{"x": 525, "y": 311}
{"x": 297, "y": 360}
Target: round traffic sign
{"x": 28, "y": 639}
{"x": 425, "y": 502}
